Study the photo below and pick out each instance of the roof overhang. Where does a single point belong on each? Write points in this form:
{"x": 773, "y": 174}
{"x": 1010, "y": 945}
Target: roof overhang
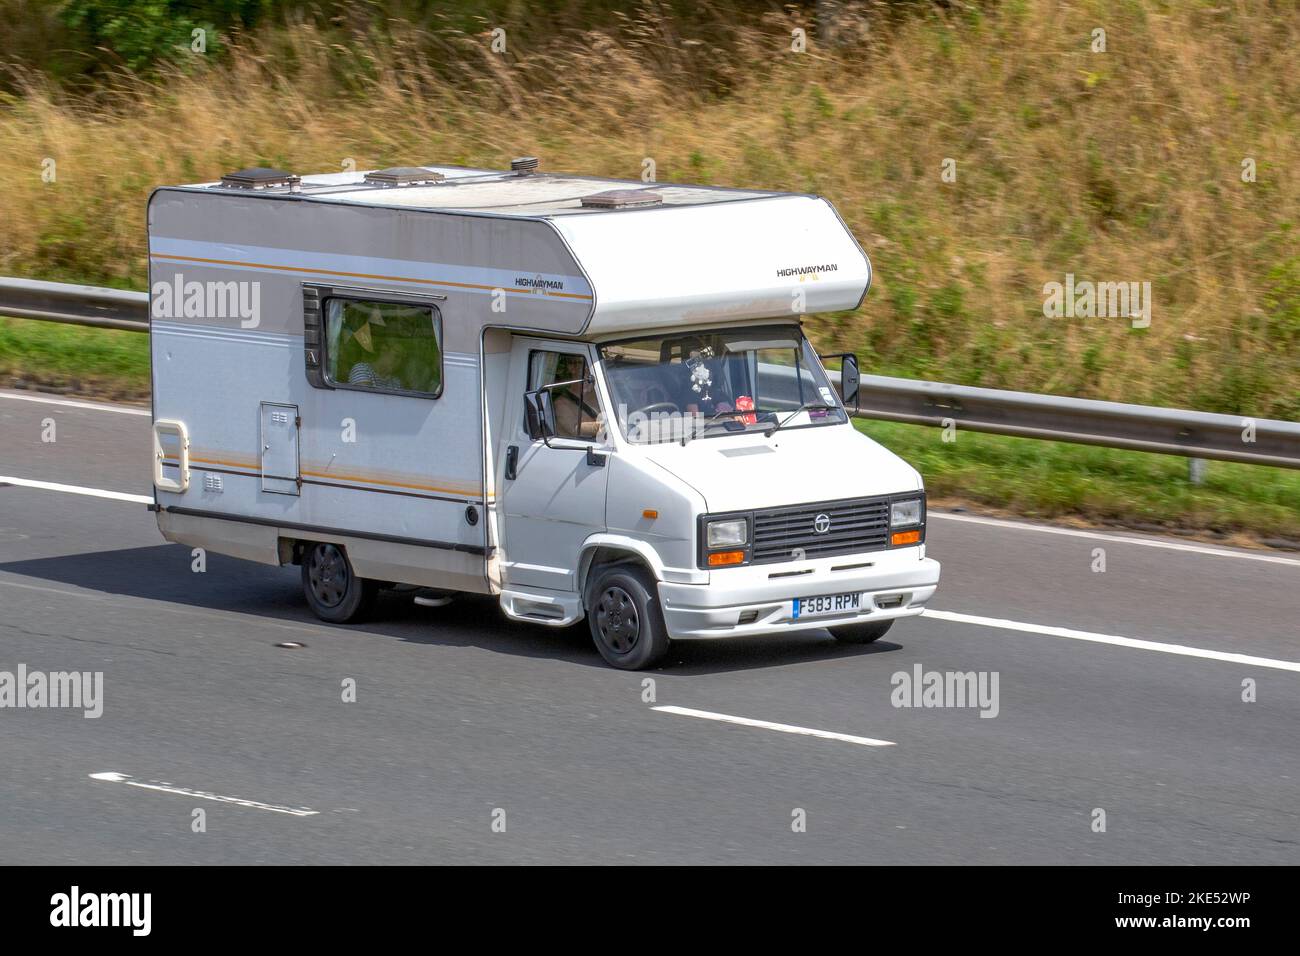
{"x": 691, "y": 265}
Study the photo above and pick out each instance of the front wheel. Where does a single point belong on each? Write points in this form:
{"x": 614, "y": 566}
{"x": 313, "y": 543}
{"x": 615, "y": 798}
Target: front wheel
{"x": 334, "y": 592}
{"x": 627, "y": 623}
{"x": 864, "y": 633}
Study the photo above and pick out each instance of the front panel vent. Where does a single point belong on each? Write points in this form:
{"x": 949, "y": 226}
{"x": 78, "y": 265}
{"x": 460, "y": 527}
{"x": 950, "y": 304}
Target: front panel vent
{"x": 850, "y": 526}
{"x": 312, "y": 334}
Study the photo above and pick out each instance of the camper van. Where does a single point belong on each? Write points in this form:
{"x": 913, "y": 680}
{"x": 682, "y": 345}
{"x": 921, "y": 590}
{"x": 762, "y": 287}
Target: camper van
{"x": 588, "y": 398}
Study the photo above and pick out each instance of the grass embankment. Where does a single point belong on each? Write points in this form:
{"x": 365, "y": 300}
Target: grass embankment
{"x": 1124, "y": 165}
{"x": 50, "y": 357}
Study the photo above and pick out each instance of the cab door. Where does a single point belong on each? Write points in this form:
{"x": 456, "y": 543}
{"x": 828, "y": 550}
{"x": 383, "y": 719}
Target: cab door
{"x": 551, "y": 493}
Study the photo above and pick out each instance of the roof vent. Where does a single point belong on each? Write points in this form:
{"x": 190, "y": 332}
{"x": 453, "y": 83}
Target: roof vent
{"x": 622, "y": 199}
{"x": 258, "y": 178}
{"x": 404, "y": 176}
{"x": 523, "y": 165}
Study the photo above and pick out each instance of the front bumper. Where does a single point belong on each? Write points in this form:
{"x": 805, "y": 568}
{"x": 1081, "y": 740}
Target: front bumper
{"x": 759, "y": 599}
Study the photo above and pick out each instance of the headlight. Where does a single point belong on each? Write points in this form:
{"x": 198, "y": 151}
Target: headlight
{"x": 732, "y": 533}
{"x": 903, "y": 513}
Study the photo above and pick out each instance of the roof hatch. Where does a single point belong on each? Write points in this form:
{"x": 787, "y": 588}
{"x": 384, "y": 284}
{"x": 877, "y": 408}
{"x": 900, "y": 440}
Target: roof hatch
{"x": 258, "y": 177}
{"x": 622, "y": 199}
{"x": 404, "y": 176}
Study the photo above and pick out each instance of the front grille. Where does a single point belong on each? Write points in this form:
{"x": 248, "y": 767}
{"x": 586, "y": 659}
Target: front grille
{"x": 856, "y": 524}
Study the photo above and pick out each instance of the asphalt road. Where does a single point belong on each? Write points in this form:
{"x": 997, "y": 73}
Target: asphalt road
{"x": 462, "y": 717}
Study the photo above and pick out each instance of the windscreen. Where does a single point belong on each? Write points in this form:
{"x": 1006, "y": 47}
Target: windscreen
{"x": 697, "y": 384}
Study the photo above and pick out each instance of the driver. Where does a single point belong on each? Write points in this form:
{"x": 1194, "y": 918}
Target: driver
{"x": 652, "y": 400}
{"x": 576, "y": 406}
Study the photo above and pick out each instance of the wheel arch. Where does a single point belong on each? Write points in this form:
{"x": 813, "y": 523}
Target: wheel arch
{"x": 606, "y": 549}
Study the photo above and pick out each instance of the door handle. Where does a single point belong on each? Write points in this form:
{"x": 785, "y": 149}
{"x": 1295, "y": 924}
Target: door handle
{"x": 512, "y": 461}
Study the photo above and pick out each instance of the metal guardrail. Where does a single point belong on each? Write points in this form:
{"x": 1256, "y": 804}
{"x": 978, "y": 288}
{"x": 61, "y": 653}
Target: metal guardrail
{"x": 1169, "y": 431}
{"x": 75, "y": 304}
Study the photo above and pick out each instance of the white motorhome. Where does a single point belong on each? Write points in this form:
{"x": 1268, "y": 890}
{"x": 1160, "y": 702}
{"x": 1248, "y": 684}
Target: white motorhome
{"x": 586, "y": 397}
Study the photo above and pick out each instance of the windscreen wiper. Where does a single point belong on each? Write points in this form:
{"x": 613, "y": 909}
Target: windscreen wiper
{"x": 688, "y": 434}
{"x": 806, "y": 407}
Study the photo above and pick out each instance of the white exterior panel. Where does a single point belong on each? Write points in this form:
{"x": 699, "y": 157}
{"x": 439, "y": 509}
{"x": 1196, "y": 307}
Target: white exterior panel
{"x": 726, "y": 261}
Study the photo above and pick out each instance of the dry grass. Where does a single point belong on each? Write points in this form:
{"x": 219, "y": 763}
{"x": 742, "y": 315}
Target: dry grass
{"x": 1122, "y": 166}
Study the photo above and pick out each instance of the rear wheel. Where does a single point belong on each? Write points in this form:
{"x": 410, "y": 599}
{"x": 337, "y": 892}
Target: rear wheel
{"x": 626, "y": 621}
{"x": 334, "y": 592}
{"x": 864, "y": 633}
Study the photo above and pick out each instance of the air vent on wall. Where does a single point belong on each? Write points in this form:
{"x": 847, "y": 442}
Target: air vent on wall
{"x": 259, "y": 178}
{"x": 622, "y": 199}
{"x": 404, "y": 176}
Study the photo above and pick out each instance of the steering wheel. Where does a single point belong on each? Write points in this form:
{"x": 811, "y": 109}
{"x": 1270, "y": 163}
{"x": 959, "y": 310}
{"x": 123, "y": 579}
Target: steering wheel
{"x": 657, "y": 407}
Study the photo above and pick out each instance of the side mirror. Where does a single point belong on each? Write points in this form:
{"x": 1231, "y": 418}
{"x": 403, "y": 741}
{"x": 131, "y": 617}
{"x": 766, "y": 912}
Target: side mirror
{"x": 539, "y": 414}
{"x": 850, "y": 377}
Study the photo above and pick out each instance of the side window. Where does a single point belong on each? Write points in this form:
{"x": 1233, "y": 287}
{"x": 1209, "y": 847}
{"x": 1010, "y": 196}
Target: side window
{"x": 383, "y": 346}
{"x": 577, "y": 409}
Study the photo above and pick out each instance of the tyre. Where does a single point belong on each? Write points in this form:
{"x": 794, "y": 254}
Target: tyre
{"x": 627, "y": 622}
{"x": 863, "y": 633}
{"x": 334, "y": 592}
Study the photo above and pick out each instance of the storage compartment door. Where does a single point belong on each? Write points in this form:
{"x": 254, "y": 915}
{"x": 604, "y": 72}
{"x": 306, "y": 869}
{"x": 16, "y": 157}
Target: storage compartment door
{"x": 280, "y": 448}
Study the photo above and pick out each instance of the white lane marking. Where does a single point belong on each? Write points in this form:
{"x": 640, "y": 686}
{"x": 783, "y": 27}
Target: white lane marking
{"x": 768, "y": 725}
{"x": 115, "y": 777}
{"x": 75, "y": 490}
{"x": 1116, "y": 538}
{"x": 1113, "y": 639}
{"x": 73, "y": 403}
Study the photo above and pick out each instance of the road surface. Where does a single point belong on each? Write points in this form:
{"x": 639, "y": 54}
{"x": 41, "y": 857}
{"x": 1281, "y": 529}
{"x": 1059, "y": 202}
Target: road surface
{"x": 476, "y": 740}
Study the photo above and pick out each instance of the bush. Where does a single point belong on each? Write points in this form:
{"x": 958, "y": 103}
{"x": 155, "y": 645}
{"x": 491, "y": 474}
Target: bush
{"x": 142, "y": 34}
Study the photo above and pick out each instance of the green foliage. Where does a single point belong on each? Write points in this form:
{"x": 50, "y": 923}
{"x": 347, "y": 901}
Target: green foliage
{"x": 58, "y": 358}
{"x": 143, "y": 33}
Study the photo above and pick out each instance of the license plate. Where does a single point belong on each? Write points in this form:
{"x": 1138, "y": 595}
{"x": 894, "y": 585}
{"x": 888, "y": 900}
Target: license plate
{"x": 827, "y": 604}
